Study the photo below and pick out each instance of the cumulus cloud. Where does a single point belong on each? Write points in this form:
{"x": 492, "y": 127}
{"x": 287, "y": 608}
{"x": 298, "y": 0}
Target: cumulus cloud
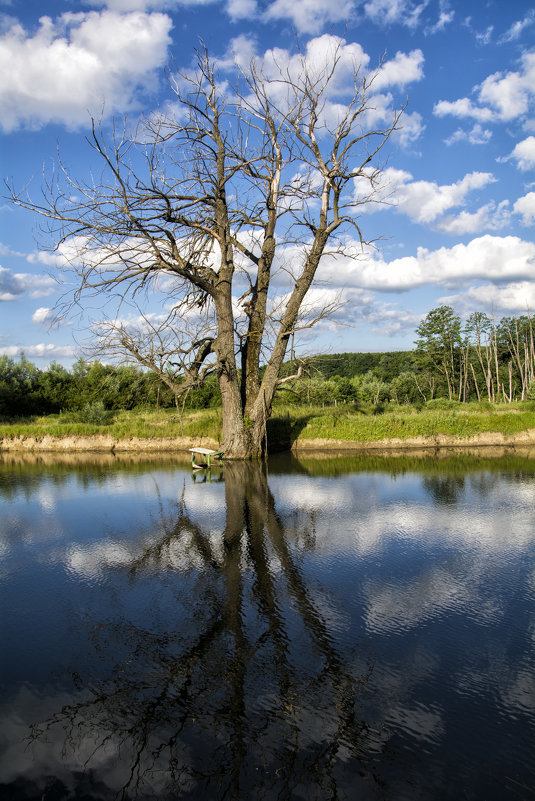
{"x": 241, "y": 9}
{"x": 410, "y": 129}
{"x": 400, "y": 12}
{"x": 404, "y": 68}
{"x": 524, "y": 154}
{"x": 476, "y": 136}
{"x": 514, "y": 298}
{"x": 462, "y": 108}
{"x": 425, "y": 201}
{"x": 489, "y": 258}
{"x": 82, "y": 61}
{"x": 389, "y": 320}
{"x": 124, "y": 6}
{"x": 47, "y": 317}
{"x": 317, "y": 55}
{"x": 316, "y": 59}
{"x": 525, "y": 206}
{"x": 491, "y": 216}
{"x": 40, "y": 351}
{"x": 502, "y": 96}
{"x": 14, "y": 285}
{"x": 309, "y": 16}
{"x": 5, "y": 250}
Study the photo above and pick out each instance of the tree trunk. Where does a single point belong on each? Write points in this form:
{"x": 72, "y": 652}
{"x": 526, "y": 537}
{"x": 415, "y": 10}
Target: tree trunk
{"x": 475, "y": 382}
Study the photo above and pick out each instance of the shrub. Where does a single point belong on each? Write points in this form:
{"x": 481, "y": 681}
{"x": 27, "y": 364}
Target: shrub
{"x": 442, "y": 404}
{"x": 96, "y": 414}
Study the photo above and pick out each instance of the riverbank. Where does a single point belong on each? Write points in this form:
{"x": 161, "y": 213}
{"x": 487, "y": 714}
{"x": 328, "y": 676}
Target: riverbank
{"x": 299, "y": 429}
{"x": 107, "y": 444}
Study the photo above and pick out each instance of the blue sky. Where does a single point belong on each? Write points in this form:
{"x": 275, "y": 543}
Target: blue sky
{"x": 458, "y": 226}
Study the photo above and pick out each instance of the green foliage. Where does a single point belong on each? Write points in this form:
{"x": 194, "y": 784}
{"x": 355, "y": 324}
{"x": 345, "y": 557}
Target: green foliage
{"x": 483, "y": 360}
{"x": 95, "y": 414}
{"x": 439, "y": 333}
{"x": 441, "y": 404}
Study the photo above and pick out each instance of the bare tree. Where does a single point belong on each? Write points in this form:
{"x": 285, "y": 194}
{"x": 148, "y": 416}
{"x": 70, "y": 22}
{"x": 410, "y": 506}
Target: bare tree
{"x": 176, "y": 352}
{"x": 234, "y": 190}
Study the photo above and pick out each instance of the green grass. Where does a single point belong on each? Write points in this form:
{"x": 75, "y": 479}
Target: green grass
{"x": 290, "y": 423}
{"x": 342, "y": 423}
{"x": 145, "y": 424}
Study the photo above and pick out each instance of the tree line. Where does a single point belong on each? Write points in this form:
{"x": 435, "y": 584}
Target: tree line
{"x": 480, "y": 360}
{"x": 88, "y": 390}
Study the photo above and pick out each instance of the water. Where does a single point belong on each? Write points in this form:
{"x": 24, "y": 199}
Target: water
{"x": 357, "y": 628}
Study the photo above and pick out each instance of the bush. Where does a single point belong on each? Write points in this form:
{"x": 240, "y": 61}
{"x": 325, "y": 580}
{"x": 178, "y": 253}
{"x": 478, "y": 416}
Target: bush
{"x": 442, "y": 404}
{"x": 95, "y": 414}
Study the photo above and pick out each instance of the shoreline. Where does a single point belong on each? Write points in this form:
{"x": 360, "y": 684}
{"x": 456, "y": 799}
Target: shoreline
{"x": 108, "y": 444}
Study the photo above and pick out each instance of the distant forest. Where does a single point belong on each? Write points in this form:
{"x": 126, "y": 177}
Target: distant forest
{"x": 454, "y": 363}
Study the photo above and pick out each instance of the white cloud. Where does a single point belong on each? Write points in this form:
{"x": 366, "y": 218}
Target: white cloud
{"x": 516, "y": 29}
{"x": 125, "y": 6}
{"x": 43, "y": 316}
{"x": 5, "y": 250}
{"x": 462, "y": 108}
{"x": 40, "y": 351}
{"x": 491, "y": 216}
{"x": 524, "y": 154}
{"x": 510, "y": 93}
{"x": 402, "y": 69}
{"x": 241, "y": 9}
{"x": 425, "y": 201}
{"x": 82, "y": 62}
{"x": 410, "y": 129}
{"x": 316, "y": 59}
{"x": 317, "y": 56}
{"x": 525, "y": 206}
{"x": 502, "y": 96}
{"x": 477, "y": 136}
{"x": 446, "y": 16}
{"x": 484, "y": 37}
{"x": 389, "y": 320}
{"x": 309, "y": 16}
{"x": 489, "y": 258}
{"x": 400, "y": 12}
{"x": 14, "y": 285}
{"x": 514, "y": 298}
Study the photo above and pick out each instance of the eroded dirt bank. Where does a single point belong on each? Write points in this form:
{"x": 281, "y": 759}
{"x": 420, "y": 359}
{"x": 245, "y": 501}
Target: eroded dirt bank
{"x": 104, "y": 444}
{"x": 107, "y": 444}
{"x": 486, "y": 439}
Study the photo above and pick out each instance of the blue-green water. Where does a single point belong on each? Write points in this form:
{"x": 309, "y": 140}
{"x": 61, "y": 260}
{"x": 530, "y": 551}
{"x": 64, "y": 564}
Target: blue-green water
{"x": 357, "y": 628}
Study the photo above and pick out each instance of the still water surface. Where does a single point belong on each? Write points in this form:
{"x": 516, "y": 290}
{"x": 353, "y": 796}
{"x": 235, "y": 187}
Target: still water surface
{"x": 357, "y": 628}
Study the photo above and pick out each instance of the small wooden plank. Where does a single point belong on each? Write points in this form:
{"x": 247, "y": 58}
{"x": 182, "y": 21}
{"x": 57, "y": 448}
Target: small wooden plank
{"x": 204, "y": 451}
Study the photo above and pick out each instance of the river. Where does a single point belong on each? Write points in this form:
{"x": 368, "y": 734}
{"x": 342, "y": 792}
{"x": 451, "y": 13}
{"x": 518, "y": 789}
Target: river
{"x": 319, "y": 628}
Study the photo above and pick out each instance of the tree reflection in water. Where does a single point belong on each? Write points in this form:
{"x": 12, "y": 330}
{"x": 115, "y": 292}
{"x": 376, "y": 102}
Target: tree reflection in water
{"x": 243, "y": 692}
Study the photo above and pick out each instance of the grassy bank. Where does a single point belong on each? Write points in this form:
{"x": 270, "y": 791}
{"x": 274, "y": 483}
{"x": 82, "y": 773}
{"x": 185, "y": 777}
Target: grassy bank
{"x": 403, "y": 423}
{"x": 291, "y": 425}
{"x": 138, "y": 424}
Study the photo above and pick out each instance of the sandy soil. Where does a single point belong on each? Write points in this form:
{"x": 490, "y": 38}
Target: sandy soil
{"x": 489, "y": 438}
{"x": 103, "y": 444}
